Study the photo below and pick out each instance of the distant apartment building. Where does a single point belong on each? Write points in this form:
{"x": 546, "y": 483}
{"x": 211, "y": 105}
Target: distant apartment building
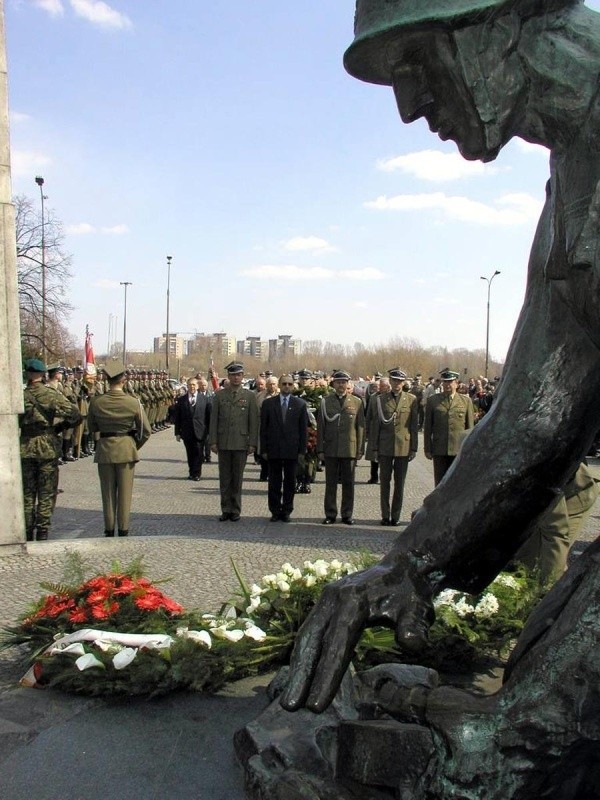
{"x": 176, "y": 345}
{"x": 253, "y": 346}
{"x": 284, "y": 346}
{"x": 220, "y": 344}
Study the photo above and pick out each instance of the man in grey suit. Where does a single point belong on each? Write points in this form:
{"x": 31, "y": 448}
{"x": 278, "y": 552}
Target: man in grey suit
{"x": 192, "y": 416}
{"x": 283, "y": 435}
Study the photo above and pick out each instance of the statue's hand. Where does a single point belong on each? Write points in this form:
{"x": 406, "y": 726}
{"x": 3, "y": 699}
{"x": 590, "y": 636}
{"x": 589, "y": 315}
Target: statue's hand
{"x": 382, "y": 595}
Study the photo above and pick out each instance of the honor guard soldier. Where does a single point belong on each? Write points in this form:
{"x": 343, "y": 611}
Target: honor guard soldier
{"x": 234, "y": 436}
{"x": 447, "y": 416}
{"x": 340, "y": 442}
{"x": 122, "y": 428}
{"x": 46, "y": 414}
{"x": 393, "y": 425}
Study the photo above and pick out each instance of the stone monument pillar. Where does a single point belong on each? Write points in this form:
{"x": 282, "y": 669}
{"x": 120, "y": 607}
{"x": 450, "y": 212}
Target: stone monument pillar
{"x": 12, "y": 530}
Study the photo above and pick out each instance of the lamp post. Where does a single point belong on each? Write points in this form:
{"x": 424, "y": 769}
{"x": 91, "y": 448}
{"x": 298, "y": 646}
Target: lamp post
{"x": 40, "y": 182}
{"x": 167, "y": 342}
{"x": 125, "y": 284}
{"x": 487, "y": 327}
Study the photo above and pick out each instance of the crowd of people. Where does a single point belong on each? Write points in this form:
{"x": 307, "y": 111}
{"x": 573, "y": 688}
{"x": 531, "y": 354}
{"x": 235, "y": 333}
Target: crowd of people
{"x": 293, "y": 426}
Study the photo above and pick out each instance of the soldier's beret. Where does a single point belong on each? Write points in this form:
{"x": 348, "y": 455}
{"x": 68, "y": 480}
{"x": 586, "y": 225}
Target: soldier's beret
{"x": 340, "y": 375}
{"x": 396, "y": 374}
{"x": 114, "y": 369}
{"x": 34, "y": 365}
{"x": 449, "y": 375}
{"x": 234, "y": 368}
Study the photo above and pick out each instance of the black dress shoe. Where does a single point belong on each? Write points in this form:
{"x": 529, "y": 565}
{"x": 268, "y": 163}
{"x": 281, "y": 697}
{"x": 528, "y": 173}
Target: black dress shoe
{"x": 109, "y": 533}
{"x": 394, "y": 523}
{"x": 329, "y": 521}
{"x": 225, "y": 516}
{"x": 234, "y": 517}
{"x": 285, "y": 517}
{"x": 348, "y": 521}
{"x": 385, "y": 522}
{"x": 274, "y": 517}
{"x": 123, "y": 533}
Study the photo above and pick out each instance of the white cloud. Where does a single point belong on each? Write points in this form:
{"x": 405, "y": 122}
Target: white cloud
{"x": 434, "y": 165}
{"x": 17, "y": 116}
{"x": 99, "y": 13}
{"x": 27, "y": 162}
{"x": 359, "y": 304}
{"x": 82, "y": 228}
{"x": 510, "y": 209}
{"x": 290, "y": 272}
{"x": 311, "y": 243}
{"x": 287, "y": 273}
{"x": 116, "y": 230}
{"x": 53, "y": 7}
{"x": 529, "y": 147}
{"x": 366, "y": 274}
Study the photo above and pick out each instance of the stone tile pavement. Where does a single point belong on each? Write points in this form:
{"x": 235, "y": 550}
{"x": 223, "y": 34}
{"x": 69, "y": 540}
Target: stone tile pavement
{"x": 53, "y": 746}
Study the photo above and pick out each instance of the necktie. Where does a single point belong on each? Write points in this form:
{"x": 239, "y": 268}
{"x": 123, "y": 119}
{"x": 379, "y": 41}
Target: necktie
{"x": 284, "y": 406}
{"x": 192, "y": 401}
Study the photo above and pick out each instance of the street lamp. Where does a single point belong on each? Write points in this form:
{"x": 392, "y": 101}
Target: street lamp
{"x": 125, "y": 284}
{"x": 40, "y": 182}
{"x": 487, "y": 328}
{"x": 168, "y": 343}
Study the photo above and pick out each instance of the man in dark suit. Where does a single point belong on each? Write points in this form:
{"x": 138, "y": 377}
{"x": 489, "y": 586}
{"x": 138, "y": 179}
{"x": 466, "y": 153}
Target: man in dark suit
{"x": 283, "y": 435}
{"x": 192, "y": 416}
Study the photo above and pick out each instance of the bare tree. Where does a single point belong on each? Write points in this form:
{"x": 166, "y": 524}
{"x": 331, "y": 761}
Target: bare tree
{"x": 29, "y": 275}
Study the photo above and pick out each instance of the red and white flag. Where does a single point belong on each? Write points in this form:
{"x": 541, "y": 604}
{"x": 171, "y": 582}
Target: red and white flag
{"x": 89, "y": 361}
{"x": 213, "y": 375}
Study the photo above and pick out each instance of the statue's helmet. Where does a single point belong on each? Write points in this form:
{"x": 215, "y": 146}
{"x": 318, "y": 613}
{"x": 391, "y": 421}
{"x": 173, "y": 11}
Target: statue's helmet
{"x": 379, "y": 23}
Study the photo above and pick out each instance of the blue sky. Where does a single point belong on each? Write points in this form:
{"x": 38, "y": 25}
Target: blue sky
{"x": 290, "y": 196}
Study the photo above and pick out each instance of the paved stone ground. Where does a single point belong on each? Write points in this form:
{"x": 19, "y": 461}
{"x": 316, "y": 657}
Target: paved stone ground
{"x": 174, "y": 528}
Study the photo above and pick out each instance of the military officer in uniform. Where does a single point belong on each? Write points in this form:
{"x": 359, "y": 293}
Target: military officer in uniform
{"x": 121, "y": 428}
{"x": 46, "y": 414}
{"x": 447, "y": 416}
{"x": 340, "y": 442}
{"x": 394, "y": 422}
{"x": 233, "y": 436}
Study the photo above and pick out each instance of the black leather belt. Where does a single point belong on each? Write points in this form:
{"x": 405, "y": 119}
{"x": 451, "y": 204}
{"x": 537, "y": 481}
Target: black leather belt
{"x": 108, "y": 435}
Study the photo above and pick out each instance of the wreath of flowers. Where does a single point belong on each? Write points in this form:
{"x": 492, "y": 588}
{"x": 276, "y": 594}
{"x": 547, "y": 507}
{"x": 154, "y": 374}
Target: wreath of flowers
{"x": 117, "y": 633}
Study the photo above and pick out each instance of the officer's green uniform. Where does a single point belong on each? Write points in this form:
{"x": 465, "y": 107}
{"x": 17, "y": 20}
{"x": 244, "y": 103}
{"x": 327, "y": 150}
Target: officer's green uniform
{"x": 555, "y": 531}
{"x": 121, "y": 427}
{"x": 393, "y": 435}
{"x": 45, "y": 409}
{"x": 446, "y": 419}
{"x": 341, "y": 439}
{"x": 233, "y": 430}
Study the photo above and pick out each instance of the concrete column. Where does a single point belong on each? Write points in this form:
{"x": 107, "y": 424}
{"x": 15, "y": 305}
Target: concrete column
{"x": 12, "y": 529}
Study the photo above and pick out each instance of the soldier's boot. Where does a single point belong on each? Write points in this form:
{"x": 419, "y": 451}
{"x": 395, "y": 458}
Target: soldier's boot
{"x": 67, "y": 450}
{"x": 109, "y": 533}
{"x": 41, "y": 534}
{"x": 29, "y": 536}
{"x": 85, "y": 445}
{"x": 69, "y": 455}
{"x": 123, "y": 533}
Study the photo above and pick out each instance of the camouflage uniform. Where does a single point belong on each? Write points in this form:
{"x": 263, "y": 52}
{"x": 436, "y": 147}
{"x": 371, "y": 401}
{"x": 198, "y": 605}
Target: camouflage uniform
{"x": 40, "y": 450}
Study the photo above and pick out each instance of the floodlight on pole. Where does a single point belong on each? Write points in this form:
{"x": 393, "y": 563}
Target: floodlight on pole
{"x": 125, "y": 284}
{"x": 487, "y": 327}
{"x": 167, "y": 342}
{"x": 40, "y": 182}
